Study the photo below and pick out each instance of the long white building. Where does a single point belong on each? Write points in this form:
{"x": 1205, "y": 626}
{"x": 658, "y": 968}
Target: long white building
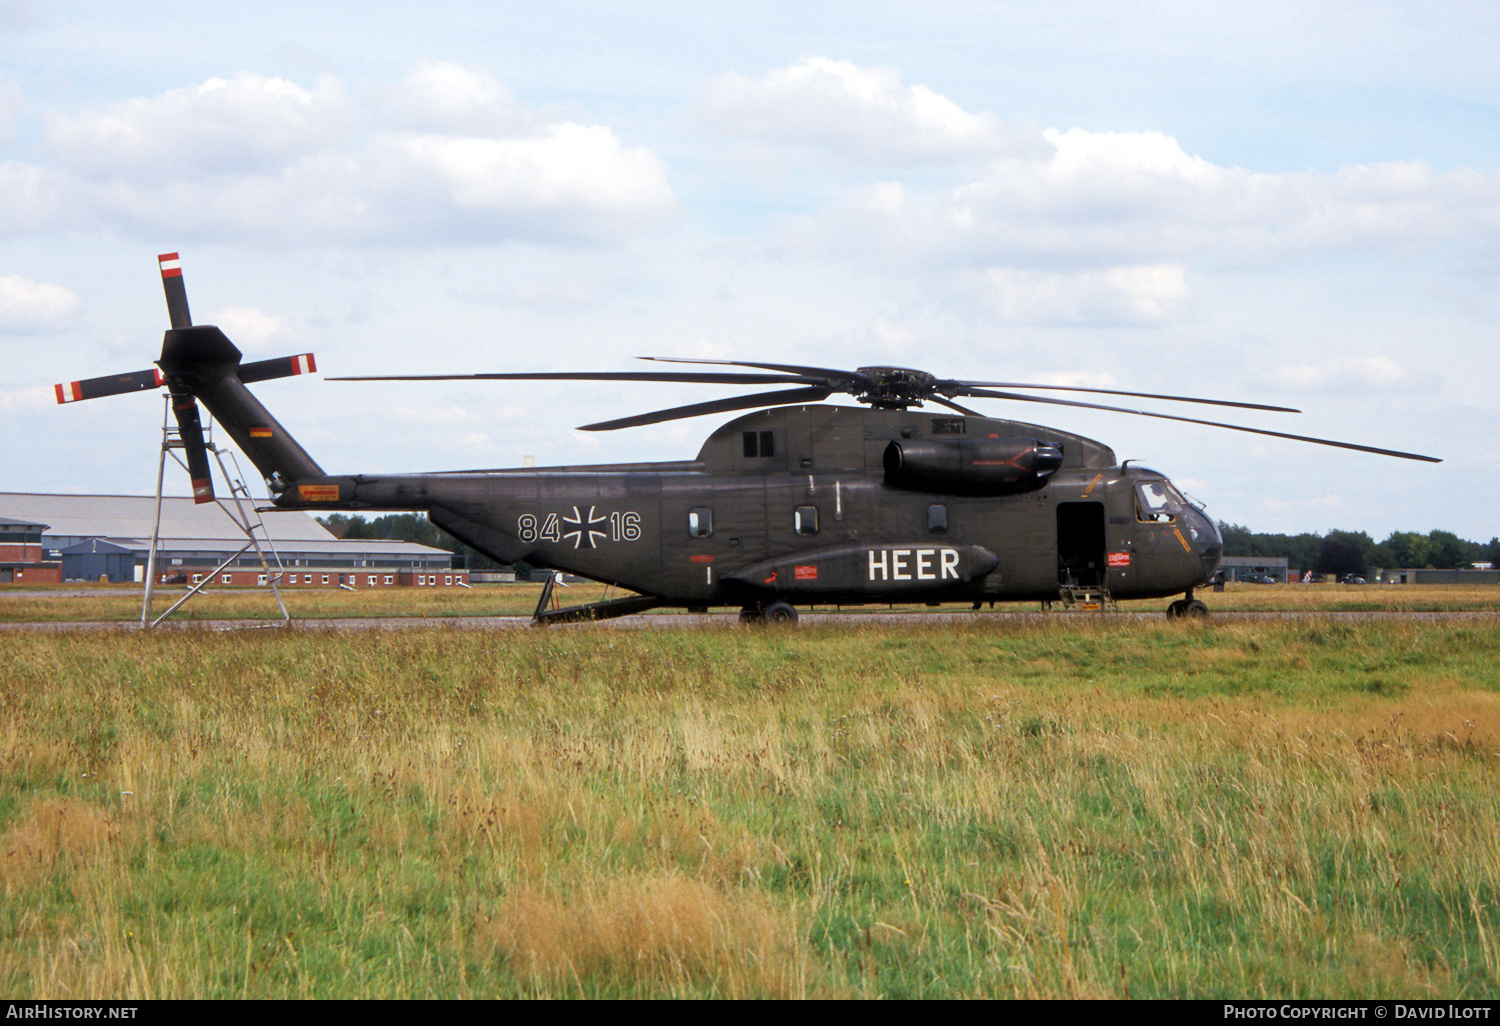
{"x": 91, "y": 535}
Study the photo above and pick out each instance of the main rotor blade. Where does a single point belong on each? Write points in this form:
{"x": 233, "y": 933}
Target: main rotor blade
{"x": 1210, "y": 423}
{"x": 826, "y": 373}
{"x": 954, "y": 406}
{"x": 789, "y": 397}
{"x": 946, "y": 387}
{"x": 114, "y": 384}
{"x": 723, "y": 378}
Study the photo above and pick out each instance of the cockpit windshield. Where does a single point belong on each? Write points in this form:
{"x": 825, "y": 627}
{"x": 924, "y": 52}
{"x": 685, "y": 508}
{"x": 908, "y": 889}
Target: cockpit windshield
{"x": 1158, "y": 502}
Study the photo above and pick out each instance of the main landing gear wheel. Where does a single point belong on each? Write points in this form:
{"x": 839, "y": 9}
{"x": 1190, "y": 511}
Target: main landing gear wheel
{"x": 1187, "y": 609}
{"x": 780, "y": 612}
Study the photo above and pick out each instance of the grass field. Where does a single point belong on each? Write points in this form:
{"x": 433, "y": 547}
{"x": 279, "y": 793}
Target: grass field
{"x": 122, "y": 603}
{"x": 1076, "y": 806}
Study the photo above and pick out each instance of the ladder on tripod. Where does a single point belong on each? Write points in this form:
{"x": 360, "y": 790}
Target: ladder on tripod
{"x": 247, "y": 520}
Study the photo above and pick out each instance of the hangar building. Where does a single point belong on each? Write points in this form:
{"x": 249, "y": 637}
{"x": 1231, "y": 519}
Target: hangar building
{"x": 89, "y": 537}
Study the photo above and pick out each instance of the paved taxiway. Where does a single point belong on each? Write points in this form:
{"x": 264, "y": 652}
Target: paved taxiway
{"x": 721, "y": 621}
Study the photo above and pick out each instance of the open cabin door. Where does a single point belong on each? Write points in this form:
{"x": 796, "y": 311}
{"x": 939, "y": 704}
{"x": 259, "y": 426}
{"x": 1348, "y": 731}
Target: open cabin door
{"x": 1080, "y": 543}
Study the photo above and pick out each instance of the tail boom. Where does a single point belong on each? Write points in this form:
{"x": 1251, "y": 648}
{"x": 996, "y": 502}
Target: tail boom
{"x": 202, "y": 362}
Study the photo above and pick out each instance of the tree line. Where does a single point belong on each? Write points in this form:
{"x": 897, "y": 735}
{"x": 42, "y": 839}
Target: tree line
{"x": 1355, "y": 552}
{"x": 407, "y": 527}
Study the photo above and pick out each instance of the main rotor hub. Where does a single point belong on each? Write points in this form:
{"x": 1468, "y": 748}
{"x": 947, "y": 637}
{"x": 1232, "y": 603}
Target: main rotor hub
{"x": 894, "y": 388}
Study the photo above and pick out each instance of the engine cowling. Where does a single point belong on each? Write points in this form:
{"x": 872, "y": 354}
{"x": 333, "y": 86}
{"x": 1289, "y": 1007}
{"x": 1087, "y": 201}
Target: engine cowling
{"x": 971, "y": 466}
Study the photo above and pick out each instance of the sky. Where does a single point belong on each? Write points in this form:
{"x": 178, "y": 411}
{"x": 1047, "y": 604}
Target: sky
{"x": 1298, "y": 206}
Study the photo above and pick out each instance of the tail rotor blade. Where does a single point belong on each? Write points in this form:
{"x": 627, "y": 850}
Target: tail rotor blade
{"x": 114, "y": 384}
{"x": 281, "y": 367}
{"x": 190, "y": 430}
{"x": 171, "y": 283}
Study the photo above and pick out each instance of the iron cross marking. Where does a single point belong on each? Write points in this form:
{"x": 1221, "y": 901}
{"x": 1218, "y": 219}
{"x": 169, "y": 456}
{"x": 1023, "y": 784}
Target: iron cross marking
{"x": 583, "y": 534}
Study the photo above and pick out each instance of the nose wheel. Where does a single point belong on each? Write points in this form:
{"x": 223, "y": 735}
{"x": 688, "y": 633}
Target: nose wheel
{"x": 1187, "y": 609}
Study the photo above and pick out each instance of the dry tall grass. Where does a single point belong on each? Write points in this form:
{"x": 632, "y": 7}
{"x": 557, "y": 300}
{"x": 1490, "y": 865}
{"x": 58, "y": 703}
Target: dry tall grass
{"x": 1081, "y": 807}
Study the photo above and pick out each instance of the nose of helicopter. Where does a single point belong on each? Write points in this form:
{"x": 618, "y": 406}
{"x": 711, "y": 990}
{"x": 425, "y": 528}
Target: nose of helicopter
{"x": 1205, "y": 539}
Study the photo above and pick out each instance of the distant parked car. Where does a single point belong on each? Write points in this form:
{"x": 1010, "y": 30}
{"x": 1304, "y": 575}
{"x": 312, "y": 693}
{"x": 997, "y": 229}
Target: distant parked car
{"x": 1351, "y": 579}
{"x": 1261, "y": 579}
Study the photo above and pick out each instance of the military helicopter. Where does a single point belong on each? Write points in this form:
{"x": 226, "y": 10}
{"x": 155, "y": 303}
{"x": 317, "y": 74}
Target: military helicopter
{"x": 796, "y": 503}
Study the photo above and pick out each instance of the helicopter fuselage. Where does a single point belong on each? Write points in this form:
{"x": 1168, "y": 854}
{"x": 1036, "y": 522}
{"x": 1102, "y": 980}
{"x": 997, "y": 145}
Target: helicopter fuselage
{"x": 817, "y": 504}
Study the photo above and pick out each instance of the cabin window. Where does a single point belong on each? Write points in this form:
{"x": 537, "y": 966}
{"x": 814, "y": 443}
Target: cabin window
{"x": 937, "y": 518}
{"x": 805, "y": 519}
{"x": 1156, "y": 502}
{"x": 759, "y": 443}
{"x": 700, "y": 522}
{"x": 949, "y": 426}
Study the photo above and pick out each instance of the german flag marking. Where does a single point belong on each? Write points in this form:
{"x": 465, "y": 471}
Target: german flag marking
{"x": 260, "y": 431}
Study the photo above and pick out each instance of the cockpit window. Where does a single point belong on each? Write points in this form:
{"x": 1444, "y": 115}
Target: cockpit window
{"x": 1157, "y": 502}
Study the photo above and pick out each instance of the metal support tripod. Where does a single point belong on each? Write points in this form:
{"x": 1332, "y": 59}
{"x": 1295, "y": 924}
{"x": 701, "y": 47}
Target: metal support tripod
{"x": 248, "y": 521}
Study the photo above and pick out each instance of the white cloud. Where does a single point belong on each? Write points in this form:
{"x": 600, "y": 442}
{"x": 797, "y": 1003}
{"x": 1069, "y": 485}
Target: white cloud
{"x": 447, "y": 98}
{"x": 563, "y": 171}
{"x": 1152, "y": 294}
{"x": 12, "y": 99}
{"x": 1358, "y": 372}
{"x": 1077, "y": 200}
{"x": 854, "y": 112}
{"x": 28, "y": 307}
{"x": 20, "y": 400}
{"x": 247, "y": 124}
{"x": 1137, "y": 197}
{"x": 254, "y": 331}
{"x": 1076, "y": 379}
{"x": 264, "y": 158}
